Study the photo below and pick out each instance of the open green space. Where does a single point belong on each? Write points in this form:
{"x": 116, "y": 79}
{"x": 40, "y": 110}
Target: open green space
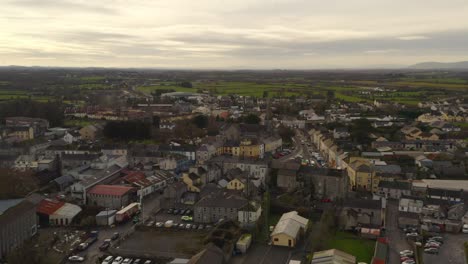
{"x": 151, "y": 88}
{"x": 361, "y": 248}
{"x": 77, "y": 122}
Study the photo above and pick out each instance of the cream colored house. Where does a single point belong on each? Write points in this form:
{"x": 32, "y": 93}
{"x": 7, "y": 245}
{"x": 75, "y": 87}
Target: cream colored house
{"x": 193, "y": 181}
{"x": 235, "y": 184}
{"x": 289, "y": 229}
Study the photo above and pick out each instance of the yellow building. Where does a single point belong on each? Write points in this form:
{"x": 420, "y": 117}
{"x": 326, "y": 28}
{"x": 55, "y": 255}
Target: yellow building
{"x": 364, "y": 177}
{"x": 22, "y": 133}
{"x": 289, "y": 229}
{"x": 251, "y": 149}
{"x": 236, "y": 184}
{"x": 193, "y": 181}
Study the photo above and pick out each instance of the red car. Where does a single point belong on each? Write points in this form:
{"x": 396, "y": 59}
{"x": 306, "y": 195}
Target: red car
{"x": 326, "y": 200}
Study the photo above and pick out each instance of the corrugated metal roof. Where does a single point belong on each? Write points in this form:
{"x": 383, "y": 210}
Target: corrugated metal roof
{"x": 49, "y": 206}
{"x": 5, "y": 204}
{"x": 69, "y": 210}
{"x": 114, "y": 190}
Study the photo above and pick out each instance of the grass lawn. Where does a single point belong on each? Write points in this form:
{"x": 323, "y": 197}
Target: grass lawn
{"x": 77, "y": 122}
{"x": 362, "y": 249}
{"x": 350, "y": 98}
{"x": 151, "y": 88}
{"x": 461, "y": 124}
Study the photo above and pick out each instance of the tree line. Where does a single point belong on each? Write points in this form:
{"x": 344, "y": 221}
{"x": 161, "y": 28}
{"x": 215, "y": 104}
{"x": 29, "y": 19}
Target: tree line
{"x": 52, "y": 111}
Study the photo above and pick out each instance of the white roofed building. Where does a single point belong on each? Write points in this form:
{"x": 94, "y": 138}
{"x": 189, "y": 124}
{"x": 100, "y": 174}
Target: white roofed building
{"x": 289, "y": 229}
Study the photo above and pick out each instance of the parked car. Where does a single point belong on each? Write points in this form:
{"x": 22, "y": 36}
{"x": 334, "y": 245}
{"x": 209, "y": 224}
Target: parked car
{"x": 406, "y": 252}
{"x": 104, "y": 246}
{"x": 148, "y": 262}
{"x": 431, "y": 250}
{"x": 188, "y": 226}
{"x": 150, "y": 223}
{"x": 437, "y": 238}
{"x": 201, "y": 226}
{"x": 465, "y": 229}
{"x": 181, "y": 226}
{"x": 159, "y": 224}
{"x": 175, "y": 211}
{"x": 127, "y": 261}
{"x": 76, "y": 259}
{"x": 431, "y": 245}
{"x": 115, "y": 235}
{"x": 181, "y": 211}
{"x": 137, "y": 261}
{"x": 186, "y": 218}
{"x": 118, "y": 260}
{"x": 170, "y": 210}
{"x": 434, "y": 241}
{"x": 108, "y": 260}
{"x": 194, "y": 226}
{"x": 405, "y": 259}
{"x": 412, "y": 234}
{"x": 169, "y": 223}
{"x": 409, "y": 262}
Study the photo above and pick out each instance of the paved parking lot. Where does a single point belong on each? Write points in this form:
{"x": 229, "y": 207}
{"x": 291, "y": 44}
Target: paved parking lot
{"x": 451, "y": 252}
{"x": 162, "y": 243}
{"x": 263, "y": 254}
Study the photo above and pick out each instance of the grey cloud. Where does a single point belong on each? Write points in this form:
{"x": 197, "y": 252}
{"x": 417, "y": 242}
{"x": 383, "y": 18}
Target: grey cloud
{"x": 62, "y": 5}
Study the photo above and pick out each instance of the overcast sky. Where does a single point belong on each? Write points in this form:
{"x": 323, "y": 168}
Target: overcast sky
{"x": 232, "y": 34}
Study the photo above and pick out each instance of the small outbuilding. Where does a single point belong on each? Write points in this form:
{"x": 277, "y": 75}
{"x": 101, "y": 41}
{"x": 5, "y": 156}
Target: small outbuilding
{"x": 289, "y": 229}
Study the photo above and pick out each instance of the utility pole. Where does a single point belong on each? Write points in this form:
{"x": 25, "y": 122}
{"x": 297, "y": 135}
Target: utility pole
{"x": 141, "y": 204}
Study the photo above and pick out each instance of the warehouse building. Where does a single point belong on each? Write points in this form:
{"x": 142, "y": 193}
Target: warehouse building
{"x": 56, "y": 213}
{"x": 111, "y": 196}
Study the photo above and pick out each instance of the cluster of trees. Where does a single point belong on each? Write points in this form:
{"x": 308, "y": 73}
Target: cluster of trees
{"x": 16, "y": 184}
{"x": 127, "y": 130}
{"x": 250, "y": 119}
{"x": 186, "y": 84}
{"x": 286, "y": 134}
{"x": 360, "y": 130}
{"x": 52, "y": 111}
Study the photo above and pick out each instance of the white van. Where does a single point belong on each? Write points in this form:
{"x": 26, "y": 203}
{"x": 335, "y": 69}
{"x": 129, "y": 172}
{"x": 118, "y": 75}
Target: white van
{"x": 465, "y": 229}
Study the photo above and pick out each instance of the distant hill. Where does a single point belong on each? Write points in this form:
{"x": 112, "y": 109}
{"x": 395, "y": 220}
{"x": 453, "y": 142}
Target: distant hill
{"x": 441, "y": 65}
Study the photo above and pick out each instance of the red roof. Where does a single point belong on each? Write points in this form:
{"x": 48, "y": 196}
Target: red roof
{"x": 224, "y": 115}
{"x": 49, "y": 206}
{"x": 133, "y": 176}
{"x": 114, "y": 190}
{"x": 378, "y": 261}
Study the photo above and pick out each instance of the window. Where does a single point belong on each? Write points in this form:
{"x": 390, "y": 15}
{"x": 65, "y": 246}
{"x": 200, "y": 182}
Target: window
{"x": 276, "y": 239}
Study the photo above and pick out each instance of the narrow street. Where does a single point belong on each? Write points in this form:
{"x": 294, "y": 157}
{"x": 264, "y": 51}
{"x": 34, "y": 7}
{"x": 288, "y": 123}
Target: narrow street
{"x": 395, "y": 236}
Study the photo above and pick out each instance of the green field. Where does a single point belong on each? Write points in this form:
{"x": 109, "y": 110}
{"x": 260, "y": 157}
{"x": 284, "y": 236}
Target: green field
{"x": 362, "y": 249}
{"x": 77, "y": 122}
{"x": 151, "y": 88}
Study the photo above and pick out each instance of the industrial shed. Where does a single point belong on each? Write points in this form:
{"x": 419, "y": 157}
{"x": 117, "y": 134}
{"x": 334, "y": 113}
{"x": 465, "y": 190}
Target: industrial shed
{"x": 289, "y": 229}
{"x": 53, "y": 212}
{"x": 105, "y": 218}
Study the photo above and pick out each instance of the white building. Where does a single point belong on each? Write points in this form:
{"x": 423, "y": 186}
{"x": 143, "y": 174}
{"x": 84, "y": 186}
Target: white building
{"x": 250, "y": 214}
